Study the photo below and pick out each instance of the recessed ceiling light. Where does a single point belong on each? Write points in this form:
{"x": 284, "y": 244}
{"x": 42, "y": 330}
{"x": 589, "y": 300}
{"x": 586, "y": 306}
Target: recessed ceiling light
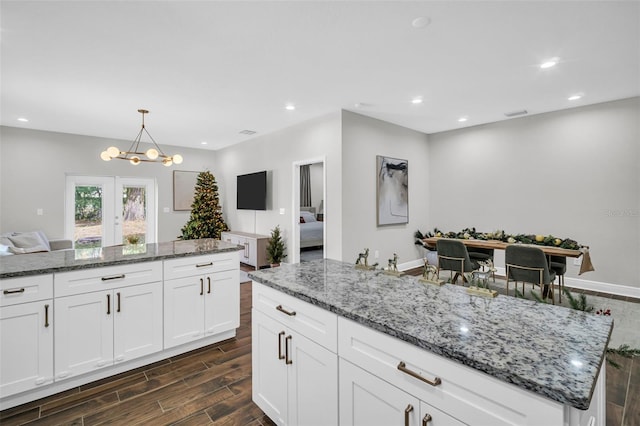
{"x": 24, "y": 120}
{"x": 204, "y": 143}
{"x": 549, "y": 63}
{"x": 575, "y": 97}
{"x": 416, "y": 101}
{"x": 290, "y": 107}
{"x": 421, "y": 22}
{"x": 462, "y": 119}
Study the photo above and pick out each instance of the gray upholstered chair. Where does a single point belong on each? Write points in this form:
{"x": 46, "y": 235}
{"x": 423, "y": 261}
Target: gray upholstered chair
{"x": 529, "y": 265}
{"x": 558, "y": 264}
{"x": 480, "y": 254}
{"x": 453, "y": 256}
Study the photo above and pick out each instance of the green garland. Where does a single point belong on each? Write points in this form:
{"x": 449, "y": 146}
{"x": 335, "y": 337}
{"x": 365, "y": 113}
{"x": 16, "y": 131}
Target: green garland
{"x": 500, "y": 235}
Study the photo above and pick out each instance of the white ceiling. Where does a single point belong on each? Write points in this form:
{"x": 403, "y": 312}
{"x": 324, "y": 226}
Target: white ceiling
{"x": 209, "y": 69}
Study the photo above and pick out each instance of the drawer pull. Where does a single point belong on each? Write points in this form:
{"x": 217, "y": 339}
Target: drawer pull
{"x": 118, "y": 309}
{"x": 286, "y": 350}
{"x": 208, "y": 285}
{"x": 202, "y": 265}
{"x": 280, "y": 356}
{"x": 201, "y": 286}
{"x": 427, "y": 418}
{"x": 46, "y": 315}
{"x": 281, "y": 309}
{"x": 108, "y": 304}
{"x": 403, "y": 367}
{"x": 114, "y": 277}
{"x": 14, "y": 291}
{"x": 407, "y": 410}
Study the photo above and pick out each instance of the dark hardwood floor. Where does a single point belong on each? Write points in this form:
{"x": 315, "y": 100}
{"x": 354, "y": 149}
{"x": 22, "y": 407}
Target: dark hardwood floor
{"x": 212, "y": 386}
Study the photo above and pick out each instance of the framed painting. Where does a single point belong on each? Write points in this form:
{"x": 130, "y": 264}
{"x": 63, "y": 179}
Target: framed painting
{"x": 392, "y": 191}
{"x": 184, "y": 184}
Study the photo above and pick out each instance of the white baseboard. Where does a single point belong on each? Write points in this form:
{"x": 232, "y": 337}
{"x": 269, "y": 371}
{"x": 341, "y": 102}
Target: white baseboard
{"x": 598, "y": 286}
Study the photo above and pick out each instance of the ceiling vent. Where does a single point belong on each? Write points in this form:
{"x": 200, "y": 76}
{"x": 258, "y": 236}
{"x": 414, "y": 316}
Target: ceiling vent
{"x": 247, "y": 132}
{"x": 516, "y": 113}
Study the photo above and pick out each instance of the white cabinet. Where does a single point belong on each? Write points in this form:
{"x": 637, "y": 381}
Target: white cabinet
{"x": 368, "y": 400}
{"x": 295, "y": 379}
{"x": 201, "y": 298}
{"x": 26, "y": 333}
{"x": 111, "y": 320}
{"x": 457, "y": 391}
{"x": 254, "y": 252}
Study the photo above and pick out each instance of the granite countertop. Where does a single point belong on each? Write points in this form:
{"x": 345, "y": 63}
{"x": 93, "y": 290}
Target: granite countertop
{"x": 550, "y": 350}
{"x": 69, "y": 260}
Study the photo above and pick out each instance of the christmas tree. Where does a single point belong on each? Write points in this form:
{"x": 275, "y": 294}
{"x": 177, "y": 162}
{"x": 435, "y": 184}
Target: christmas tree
{"x": 206, "y": 216}
{"x": 275, "y": 247}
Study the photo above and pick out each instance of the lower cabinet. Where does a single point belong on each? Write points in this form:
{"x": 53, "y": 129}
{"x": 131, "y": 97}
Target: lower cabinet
{"x": 295, "y": 380}
{"x": 99, "y": 329}
{"x": 368, "y": 400}
{"x": 200, "y": 306}
{"x": 26, "y": 346}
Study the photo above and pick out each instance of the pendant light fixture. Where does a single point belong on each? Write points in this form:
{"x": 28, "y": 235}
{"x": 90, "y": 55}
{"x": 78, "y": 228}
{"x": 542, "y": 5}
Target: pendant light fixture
{"x": 135, "y": 156}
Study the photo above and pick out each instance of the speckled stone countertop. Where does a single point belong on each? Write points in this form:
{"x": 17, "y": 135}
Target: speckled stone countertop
{"x": 68, "y": 260}
{"x": 550, "y": 350}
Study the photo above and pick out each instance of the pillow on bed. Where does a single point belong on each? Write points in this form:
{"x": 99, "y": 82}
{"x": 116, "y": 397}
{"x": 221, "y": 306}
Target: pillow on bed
{"x": 307, "y": 217}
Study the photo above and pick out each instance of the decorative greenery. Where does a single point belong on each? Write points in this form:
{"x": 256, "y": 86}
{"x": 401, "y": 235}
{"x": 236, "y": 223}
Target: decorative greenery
{"x": 579, "y": 304}
{"x": 276, "y": 248}
{"x": 623, "y": 351}
{"x": 206, "y": 215}
{"x": 500, "y": 235}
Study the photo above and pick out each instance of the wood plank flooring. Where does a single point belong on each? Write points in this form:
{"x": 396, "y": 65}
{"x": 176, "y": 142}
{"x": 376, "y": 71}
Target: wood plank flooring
{"x": 212, "y": 386}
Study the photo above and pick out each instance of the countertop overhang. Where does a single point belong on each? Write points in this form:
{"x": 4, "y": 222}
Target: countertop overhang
{"x": 68, "y": 260}
{"x": 553, "y": 351}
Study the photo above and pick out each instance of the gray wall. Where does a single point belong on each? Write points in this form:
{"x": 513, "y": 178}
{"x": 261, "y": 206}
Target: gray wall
{"x": 572, "y": 173}
{"x": 364, "y": 138}
{"x": 276, "y": 152}
{"x": 33, "y": 166}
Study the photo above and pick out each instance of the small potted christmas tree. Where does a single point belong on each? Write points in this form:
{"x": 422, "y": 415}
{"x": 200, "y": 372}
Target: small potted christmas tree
{"x": 276, "y": 248}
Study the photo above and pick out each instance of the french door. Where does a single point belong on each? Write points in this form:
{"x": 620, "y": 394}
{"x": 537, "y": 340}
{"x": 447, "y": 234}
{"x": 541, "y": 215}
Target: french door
{"x": 103, "y": 211}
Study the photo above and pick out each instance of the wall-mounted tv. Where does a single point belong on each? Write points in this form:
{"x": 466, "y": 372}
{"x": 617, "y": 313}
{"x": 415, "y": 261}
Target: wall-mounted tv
{"x": 252, "y": 191}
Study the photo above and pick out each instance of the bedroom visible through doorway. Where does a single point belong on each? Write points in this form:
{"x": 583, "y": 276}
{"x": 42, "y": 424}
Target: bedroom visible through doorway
{"x": 309, "y": 210}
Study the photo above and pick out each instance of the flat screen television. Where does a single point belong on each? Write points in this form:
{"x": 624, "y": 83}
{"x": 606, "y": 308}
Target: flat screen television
{"x": 252, "y": 191}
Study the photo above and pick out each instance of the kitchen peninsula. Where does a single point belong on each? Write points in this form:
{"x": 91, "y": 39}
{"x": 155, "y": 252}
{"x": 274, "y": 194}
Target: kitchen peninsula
{"x": 71, "y": 317}
{"x": 337, "y": 345}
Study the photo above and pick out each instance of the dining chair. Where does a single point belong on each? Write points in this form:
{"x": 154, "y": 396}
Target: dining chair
{"x": 529, "y": 265}
{"x": 558, "y": 264}
{"x": 480, "y": 254}
{"x": 453, "y": 256}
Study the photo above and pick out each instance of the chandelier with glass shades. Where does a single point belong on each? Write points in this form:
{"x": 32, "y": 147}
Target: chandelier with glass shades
{"x": 135, "y": 156}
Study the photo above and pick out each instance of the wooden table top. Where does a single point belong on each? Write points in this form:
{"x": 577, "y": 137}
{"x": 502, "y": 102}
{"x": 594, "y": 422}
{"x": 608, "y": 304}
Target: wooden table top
{"x": 500, "y": 245}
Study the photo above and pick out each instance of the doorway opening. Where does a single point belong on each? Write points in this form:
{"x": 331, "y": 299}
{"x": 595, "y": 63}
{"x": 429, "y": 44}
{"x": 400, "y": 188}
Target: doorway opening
{"x": 309, "y": 210}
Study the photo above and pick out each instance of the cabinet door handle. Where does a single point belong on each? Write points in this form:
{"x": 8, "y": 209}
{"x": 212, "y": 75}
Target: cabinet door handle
{"x": 286, "y": 350}
{"x": 407, "y": 411}
{"x": 46, "y": 315}
{"x": 280, "y": 356}
{"x": 113, "y": 277}
{"x": 403, "y": 367}
{"x": 202, "y": 265}
{"x": 108, "y": 304}
{"x": 118, "y": 294}
{"x": 208, "y": 284}
{"x": 201, "y": 286}
{"x": 281, "y": 309}
{"x": 14, "y": 291}
{"x": 246, "y": 249}
{"x": 427, "y": 418}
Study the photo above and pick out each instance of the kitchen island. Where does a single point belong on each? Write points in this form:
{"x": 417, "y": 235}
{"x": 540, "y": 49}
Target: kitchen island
{"x": 398, "y": 350}
{"x": 71, "y": 317}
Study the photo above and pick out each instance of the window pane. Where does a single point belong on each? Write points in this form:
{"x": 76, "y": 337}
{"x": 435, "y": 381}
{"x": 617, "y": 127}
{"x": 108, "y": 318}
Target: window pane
{"x": 87, "y": 230}
{"x": 134, "y": 215}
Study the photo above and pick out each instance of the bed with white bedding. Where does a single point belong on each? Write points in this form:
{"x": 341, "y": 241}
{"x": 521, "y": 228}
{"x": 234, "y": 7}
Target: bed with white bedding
{"x": 311, "y": 230}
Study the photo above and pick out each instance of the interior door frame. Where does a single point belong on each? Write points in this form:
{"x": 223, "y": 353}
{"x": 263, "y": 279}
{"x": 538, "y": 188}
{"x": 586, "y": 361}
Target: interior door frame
{"x": 295, "y": 208}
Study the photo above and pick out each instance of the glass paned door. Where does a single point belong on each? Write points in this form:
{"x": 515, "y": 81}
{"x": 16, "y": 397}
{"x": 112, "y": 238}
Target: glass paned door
{"x": 105, "y": 211}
